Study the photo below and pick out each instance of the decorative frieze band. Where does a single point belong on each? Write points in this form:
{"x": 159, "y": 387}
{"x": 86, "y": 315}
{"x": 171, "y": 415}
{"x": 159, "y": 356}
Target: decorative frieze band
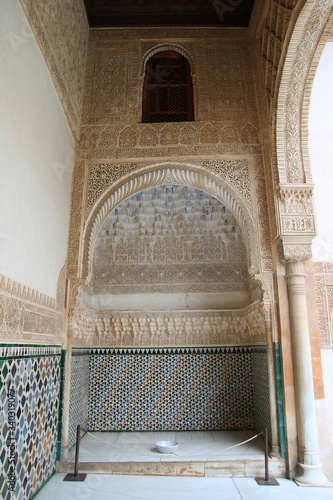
{"x": 297, "y": 224}
{"x": 177, "y": 350}
{"x": 27, "y": 315}
{"x": 175, "y": 328}
{"x": 21, "y": 351}
{"x": 159, "y": 135}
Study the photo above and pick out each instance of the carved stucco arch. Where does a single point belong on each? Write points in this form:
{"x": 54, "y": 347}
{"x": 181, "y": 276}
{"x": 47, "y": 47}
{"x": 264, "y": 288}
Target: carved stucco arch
{"x": 173, "y": 173}
{"x": 162, "y": 48}
{"x": 293, "y": 163}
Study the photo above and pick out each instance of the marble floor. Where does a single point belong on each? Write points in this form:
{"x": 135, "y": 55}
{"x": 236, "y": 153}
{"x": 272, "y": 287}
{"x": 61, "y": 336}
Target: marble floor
{"x": 193, "y": 446}
{"x": 105, "y": 487}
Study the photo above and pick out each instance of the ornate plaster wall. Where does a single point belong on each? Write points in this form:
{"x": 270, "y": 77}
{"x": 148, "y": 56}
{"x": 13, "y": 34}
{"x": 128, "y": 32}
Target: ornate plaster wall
{"x": 219, "y": 153}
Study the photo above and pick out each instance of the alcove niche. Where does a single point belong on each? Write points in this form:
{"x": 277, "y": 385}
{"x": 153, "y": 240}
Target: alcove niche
{"x": 174, "y": 322}
{"x": 170, "y": 267}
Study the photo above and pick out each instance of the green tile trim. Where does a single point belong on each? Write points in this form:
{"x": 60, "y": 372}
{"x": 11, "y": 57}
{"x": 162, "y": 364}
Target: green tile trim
{"x": 29, "y": 345}
{"x": 61, "y": 395}
{"x": 280, "y": 399}
{"x": 39, "y": 489}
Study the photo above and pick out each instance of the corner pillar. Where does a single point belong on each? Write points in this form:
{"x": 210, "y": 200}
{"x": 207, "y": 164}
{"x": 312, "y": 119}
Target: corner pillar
{"x": 66, "y": 401}
{"x": 309, "y": 471}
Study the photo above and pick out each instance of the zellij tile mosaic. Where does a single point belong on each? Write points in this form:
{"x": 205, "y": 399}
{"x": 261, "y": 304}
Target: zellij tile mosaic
{"x": 29, "y": 392}
{"x": 170, "y": 392}
{"x": 78, "y": 408}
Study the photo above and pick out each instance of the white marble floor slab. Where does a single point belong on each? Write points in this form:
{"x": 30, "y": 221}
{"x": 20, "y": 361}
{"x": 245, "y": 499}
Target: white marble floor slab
{"x": 102, "y": 487}
{"x": 193, "y": 446}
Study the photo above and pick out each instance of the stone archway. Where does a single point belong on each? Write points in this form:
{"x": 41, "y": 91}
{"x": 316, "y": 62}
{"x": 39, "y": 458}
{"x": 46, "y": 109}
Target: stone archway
{"x": 183, "y": 344}
{"x": 172, "y": 173}
{"x": 293, "y": 97}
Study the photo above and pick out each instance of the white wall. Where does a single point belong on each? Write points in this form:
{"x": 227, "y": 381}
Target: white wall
{"x": 321, "y": 153}
{"x": 36, "y": 156}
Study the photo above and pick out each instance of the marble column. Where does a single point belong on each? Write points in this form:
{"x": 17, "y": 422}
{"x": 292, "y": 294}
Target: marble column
{"x": 309, "y": 467}
{"x": 272, "y": 382}
{"x": 66, "y": 401}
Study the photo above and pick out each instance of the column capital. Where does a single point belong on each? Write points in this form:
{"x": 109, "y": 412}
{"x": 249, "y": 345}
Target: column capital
{"x": 293, "y": 251}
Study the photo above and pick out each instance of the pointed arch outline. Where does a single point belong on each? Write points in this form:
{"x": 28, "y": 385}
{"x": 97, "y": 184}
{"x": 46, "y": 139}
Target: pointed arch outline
{"x": 291, "y": 128}
{"x": 163, "y": 47}
{"x": 169, "y": 173}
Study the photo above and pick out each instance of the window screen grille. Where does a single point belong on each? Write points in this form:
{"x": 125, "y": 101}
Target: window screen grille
{"x": 167, "y": 90}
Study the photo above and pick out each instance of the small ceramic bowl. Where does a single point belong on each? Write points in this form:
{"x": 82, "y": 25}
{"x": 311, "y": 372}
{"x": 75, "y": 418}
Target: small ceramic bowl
{"x": 167, "y": 446}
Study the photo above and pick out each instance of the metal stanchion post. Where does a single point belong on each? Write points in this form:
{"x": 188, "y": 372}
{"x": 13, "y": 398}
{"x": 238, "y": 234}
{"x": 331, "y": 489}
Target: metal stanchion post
{"x": 76, "y": 476}
{"x": 266, "y": 481}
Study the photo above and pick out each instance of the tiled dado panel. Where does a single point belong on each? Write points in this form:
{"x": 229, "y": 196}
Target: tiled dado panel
{"x": 78, "y": 406}
{"x": 29, "y": 398}
{"x": 192, "y": 389}
{"x": 261, "y": 407}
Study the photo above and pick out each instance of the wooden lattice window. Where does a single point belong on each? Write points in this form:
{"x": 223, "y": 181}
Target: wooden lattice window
{"x": 167, "y": 89}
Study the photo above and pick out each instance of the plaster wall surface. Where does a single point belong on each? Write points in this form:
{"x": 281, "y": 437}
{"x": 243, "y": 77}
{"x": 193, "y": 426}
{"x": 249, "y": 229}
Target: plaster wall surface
{"x": 36, "y": 160}
{"x": 321, "y": 152}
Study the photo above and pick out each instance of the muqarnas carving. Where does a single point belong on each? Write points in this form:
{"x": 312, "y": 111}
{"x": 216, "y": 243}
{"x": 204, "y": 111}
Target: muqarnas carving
{"x": 169, "y": 238}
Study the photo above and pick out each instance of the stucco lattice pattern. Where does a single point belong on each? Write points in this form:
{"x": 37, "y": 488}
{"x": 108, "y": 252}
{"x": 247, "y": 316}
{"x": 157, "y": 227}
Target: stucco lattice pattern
{"x": 324, "y": 301}
{"x": 31, "y": 385}
{"x": 78, "y": 407}
{"x": 170, "y": 392}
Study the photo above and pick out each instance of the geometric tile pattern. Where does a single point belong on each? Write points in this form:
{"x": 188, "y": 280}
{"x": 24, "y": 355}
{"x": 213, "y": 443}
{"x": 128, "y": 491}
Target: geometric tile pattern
{"x": 262, "y": 415}
{"x": 29, "y": 395}
{"x": 146, "y": 392}
{"x": 78, "y": 407}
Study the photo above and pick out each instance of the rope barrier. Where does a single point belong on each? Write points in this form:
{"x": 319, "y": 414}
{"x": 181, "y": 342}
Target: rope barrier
{"x": 174, "y": 454}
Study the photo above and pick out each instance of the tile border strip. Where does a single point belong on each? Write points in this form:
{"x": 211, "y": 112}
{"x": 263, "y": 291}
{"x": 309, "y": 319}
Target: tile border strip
{"x": 23, "y": 351}
{"x": 174, "y": 350}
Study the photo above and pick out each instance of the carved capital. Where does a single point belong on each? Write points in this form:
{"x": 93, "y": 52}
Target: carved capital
{"x": 296, "y": 209}
{"x": 294, "y": 252}
{"x": 296, "y": 199}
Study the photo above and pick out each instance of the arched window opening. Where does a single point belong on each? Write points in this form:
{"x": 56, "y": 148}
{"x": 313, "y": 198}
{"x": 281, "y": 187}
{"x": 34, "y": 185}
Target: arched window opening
{"x": 167, "y": 89}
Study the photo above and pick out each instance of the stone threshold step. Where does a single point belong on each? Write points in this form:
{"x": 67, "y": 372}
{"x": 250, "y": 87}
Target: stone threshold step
{"x": 221, "y": 468}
